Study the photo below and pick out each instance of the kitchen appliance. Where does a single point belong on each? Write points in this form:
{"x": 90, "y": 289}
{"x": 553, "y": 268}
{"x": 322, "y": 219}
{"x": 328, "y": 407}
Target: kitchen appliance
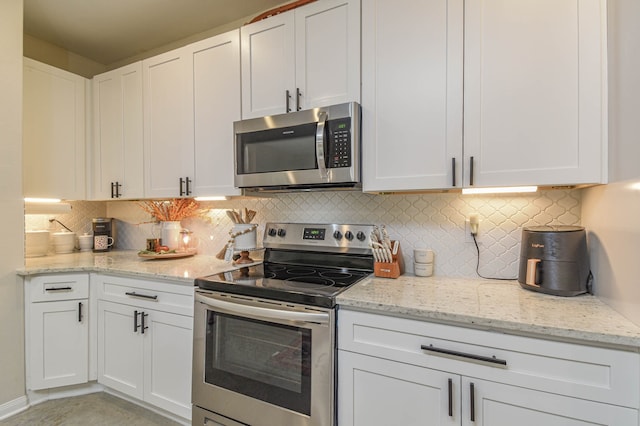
{"x": 303, "y": 150}
{"x": 264, "y": 335}
{"x": 555, "y": 260}
{"x": 103, "y": 231}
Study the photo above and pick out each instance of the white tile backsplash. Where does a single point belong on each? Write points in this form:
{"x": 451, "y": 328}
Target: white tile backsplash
{"x": 435, "y": 221}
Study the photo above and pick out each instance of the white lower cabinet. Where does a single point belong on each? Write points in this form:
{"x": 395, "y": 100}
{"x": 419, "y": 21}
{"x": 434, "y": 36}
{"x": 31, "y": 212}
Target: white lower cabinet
{"x": 145, "y": 341}
{"x": 401, "y": 371}
{"x": 57, "y": 330}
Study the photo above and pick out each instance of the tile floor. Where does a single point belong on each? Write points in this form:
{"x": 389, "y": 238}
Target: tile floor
{"x": 94, "y": 409}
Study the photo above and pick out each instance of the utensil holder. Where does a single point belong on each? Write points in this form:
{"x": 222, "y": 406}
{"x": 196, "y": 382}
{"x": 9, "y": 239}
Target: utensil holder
{"x": 392, "y": 269}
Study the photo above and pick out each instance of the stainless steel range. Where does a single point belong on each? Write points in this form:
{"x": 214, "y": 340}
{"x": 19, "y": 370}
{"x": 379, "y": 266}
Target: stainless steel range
{"x": 264, "y": 335}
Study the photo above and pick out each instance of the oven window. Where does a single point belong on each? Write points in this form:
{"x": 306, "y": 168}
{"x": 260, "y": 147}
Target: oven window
{"x": 276, "y": 150}
{"x": 263, "y": 360}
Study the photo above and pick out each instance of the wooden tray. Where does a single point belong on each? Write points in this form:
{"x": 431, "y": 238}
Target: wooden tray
{"x": 175, "y": 255}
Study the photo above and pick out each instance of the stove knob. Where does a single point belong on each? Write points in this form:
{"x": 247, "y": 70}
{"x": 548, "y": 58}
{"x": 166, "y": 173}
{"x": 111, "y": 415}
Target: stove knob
{"x": 272, "y": 232}
{"x": 360, "y": 236}
{"x": 282, "y": 232}
{"x": 348, "y": 235}
{"x": 337, "y": 235}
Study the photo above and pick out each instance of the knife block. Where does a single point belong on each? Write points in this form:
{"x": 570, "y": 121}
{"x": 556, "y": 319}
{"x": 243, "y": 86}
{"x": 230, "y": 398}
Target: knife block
{"x": 392, "y": 269}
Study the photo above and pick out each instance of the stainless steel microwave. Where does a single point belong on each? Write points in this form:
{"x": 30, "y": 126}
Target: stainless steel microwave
{"x": 303, "y": 150}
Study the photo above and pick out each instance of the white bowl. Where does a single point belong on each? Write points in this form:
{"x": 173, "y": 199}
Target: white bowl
{"x": 36, "y": 243}
{"x": 64, "y": 242}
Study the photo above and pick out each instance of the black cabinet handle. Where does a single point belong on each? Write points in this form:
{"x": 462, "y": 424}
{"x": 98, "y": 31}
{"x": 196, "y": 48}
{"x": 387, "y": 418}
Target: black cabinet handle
{"x": 118, "y": 185}
{"x": 450, "y": 398}
{"x": 79, "y": 311}
{"x": 472, "y": 402}
{"x": 287, "y": 98}
{"x": 135, "y": 321}
{"x": 58, "y": 289}
{"x": 298, "y": 94}
{"x": 144, "y": 296}
{"x": 181, "y": 187}
{"x": 112, "y": 192}
{"x": 471, "y": 171}
{"x": 143, "y": 316}
{"x": 188, "y": 186}
{"x": 491, "y": 360}
{"x": 453, "y": 171}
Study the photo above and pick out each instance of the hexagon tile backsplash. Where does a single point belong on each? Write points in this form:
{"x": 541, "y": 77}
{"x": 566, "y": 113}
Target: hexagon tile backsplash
{"x": 435, "y": 221}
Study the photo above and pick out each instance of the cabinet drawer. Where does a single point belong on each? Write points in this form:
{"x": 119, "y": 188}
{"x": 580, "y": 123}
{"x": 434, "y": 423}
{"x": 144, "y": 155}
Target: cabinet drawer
{"x": 593, "y": 373}
{"x": 47, "y": 288}
{"x": 176, "y": 298}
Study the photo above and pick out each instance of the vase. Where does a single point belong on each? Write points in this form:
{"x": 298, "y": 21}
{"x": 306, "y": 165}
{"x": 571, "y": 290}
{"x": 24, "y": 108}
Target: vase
{"x": 170, "y": 234}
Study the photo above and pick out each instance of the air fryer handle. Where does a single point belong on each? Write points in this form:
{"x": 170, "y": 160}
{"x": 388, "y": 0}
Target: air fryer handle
{"x": 532, "y": 272}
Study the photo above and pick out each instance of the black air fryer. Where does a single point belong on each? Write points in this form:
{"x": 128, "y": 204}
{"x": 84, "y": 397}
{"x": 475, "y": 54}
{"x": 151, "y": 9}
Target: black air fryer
{"x": 554, "y": 260}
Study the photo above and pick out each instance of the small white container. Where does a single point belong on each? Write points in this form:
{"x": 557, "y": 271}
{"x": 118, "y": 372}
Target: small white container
{"x": 85, "y": 242}
{"x": 423, "y": 269}
{"x": 423, "y": 256}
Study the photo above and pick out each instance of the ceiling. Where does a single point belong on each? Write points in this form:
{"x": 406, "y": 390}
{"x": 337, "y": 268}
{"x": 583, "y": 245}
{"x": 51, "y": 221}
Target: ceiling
{"x": 108, "y": 31}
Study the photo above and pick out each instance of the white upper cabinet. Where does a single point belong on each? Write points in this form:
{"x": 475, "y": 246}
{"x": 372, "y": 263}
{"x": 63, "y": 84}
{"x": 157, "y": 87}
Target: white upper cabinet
{"x": 118, "y": 134}
{"x": 216, "y": 90}
{"x": 300, "y": 59}
{"x": 412, "y": 56}
{"x": 53, "y": 132}
{"x": 168, "y": 124}
{"x": 191, "y": 99}
{"x": 535, "y": 92}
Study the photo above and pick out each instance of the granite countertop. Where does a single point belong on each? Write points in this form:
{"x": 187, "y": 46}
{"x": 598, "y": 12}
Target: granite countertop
{"x": 127, "y": 262}
{"x": 501, "y": 306}
{"x": 494, "y": 305}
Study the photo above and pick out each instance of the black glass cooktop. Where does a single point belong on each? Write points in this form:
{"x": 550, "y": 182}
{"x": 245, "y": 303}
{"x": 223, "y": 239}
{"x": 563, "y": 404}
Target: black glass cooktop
{"x": 311, "y": 285}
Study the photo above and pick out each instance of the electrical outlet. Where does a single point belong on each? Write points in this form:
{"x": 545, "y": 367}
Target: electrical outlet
{"x": 471, "y": 224}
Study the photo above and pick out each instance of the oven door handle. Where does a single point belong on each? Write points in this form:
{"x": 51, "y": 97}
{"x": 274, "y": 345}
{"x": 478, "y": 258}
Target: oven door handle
{"x": 260, "y": 312}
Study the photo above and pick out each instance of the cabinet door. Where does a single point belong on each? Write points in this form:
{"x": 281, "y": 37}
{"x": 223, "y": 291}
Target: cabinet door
{"x": 167, "y": 361}
{"x": 53, "y": 132}
{"x": 120, "y": 349}
{"x": 58, "y": 336}
{"x": 216, "y": 90}
{"x": 268, "y": 66}
{"x": 496, "y": 404}
{"x": 374, "y": 391}
{"x": 535, "y": 92}
{"x": 117, "y": 133}
{"x": 168, "y": 123}
{"x": 412, "y": 94}
{"x": 327, "y": 53}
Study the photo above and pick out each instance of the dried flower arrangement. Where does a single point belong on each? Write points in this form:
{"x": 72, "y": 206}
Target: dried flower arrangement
{"x": 171, "y": 210}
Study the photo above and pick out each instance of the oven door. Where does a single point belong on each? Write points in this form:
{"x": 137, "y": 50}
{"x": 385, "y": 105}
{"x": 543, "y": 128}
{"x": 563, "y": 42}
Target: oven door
{"x": 262, "y": 362}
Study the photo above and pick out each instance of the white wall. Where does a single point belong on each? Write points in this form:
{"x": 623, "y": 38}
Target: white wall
{"x": 610, "y": 213}
{"x": 12, "y": 386}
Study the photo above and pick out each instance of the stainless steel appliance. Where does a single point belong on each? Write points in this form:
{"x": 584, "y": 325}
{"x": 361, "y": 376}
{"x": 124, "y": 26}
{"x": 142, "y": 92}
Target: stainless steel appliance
{"x": 264, "y": 349}
{"x": 103, "y": 234}
{"x": 315, "y": 148}
{"x": 554, "y": 260}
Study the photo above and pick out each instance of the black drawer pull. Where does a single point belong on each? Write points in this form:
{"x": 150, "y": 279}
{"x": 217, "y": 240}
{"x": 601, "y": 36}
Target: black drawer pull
{"x": 142, "y": 317}
{"x": 79, "y": 311}
{"x": 135, "y": 321}
{"x": 489, "y": 359}
{"x": 58, "y": 289}
{"x": 143, "y": 296}
{"x": 450, "y": 398}
{"x": 472, "y": 402}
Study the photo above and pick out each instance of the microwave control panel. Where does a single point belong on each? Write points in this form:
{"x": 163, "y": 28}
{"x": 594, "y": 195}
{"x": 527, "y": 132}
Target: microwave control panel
{"x": 339, "y": 143}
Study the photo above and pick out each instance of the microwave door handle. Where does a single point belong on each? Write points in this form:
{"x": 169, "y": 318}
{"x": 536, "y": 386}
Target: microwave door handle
{"x": 322, "y": 122}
